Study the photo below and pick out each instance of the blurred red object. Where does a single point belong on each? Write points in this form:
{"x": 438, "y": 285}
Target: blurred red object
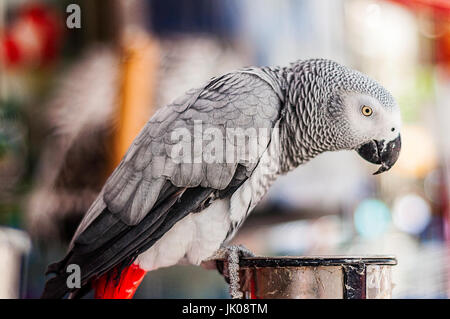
{"x": 443, "y": 44}
{"x": 10, "y": 54}
{"x": 33, "y": 37}
{"x": 439, "y": 12}
{"x": 438, "y": 7}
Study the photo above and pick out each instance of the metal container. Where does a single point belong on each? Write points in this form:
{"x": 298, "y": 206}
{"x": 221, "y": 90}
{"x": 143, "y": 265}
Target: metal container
{"x": 318, "y": 277}
{"x": 14, "y": 245}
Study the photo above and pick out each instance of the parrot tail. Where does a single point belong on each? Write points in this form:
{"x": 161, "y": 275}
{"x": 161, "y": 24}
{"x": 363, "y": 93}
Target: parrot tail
{"x": 112, "y": 286}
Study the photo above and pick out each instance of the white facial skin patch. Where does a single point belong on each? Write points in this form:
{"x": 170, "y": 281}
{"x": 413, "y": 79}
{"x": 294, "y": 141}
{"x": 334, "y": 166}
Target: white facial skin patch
{"x": 383, "y": 124}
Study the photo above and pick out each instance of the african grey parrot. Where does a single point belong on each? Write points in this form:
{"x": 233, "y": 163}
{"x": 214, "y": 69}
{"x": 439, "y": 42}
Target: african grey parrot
{"x": 189, "y": 180}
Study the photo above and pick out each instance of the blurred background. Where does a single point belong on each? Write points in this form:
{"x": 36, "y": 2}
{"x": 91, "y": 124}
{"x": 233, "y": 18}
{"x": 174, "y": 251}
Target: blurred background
{"x": 73, "y": 96}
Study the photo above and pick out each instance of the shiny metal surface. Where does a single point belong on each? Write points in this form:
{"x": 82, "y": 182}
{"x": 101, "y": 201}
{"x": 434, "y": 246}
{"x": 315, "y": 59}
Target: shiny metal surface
{"x": 323, "y": 282}
{"x": 316, "y": 277}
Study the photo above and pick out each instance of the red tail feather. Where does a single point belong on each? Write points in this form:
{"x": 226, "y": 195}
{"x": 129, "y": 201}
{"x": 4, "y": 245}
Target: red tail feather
{"x": 110, "y": 287}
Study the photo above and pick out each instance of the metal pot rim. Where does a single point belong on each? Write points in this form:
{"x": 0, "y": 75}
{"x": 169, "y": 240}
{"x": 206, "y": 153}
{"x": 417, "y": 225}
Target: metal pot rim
{"x": 300, "y": 261}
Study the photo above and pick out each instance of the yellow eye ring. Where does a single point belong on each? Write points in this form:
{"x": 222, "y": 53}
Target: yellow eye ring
{"x": 366, "y": 110}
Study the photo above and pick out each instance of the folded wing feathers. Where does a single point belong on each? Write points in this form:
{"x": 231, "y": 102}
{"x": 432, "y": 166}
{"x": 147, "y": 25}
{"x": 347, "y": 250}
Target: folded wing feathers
{"x": 141, "y": 199}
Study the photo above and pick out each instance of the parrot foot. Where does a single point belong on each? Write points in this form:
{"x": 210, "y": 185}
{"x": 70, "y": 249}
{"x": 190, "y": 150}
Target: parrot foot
{"x": 232, "y": 254}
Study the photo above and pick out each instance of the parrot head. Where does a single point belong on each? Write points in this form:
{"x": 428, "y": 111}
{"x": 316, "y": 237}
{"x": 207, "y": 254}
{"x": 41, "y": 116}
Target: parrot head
{"x": 368, "y": 119}
{"x": 378, "y": 129}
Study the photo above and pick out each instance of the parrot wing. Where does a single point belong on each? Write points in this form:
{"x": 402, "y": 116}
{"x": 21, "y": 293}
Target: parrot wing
{"x": 152, "y": 189}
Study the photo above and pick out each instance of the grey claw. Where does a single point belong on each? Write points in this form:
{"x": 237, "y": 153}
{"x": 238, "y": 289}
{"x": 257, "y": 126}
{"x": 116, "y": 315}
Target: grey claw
{"x": 232, "y": 254}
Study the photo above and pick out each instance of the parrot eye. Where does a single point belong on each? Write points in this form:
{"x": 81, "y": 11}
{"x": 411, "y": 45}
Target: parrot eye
{"x": 366, "y": 110}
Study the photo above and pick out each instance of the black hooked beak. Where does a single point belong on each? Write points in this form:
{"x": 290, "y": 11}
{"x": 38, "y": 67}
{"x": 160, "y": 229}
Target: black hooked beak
{"x": 378, "y": 152}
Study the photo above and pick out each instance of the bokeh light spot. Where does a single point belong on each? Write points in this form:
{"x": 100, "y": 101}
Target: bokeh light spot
{"x": 372, "y": 218}
{"x": 411, "y": 214}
